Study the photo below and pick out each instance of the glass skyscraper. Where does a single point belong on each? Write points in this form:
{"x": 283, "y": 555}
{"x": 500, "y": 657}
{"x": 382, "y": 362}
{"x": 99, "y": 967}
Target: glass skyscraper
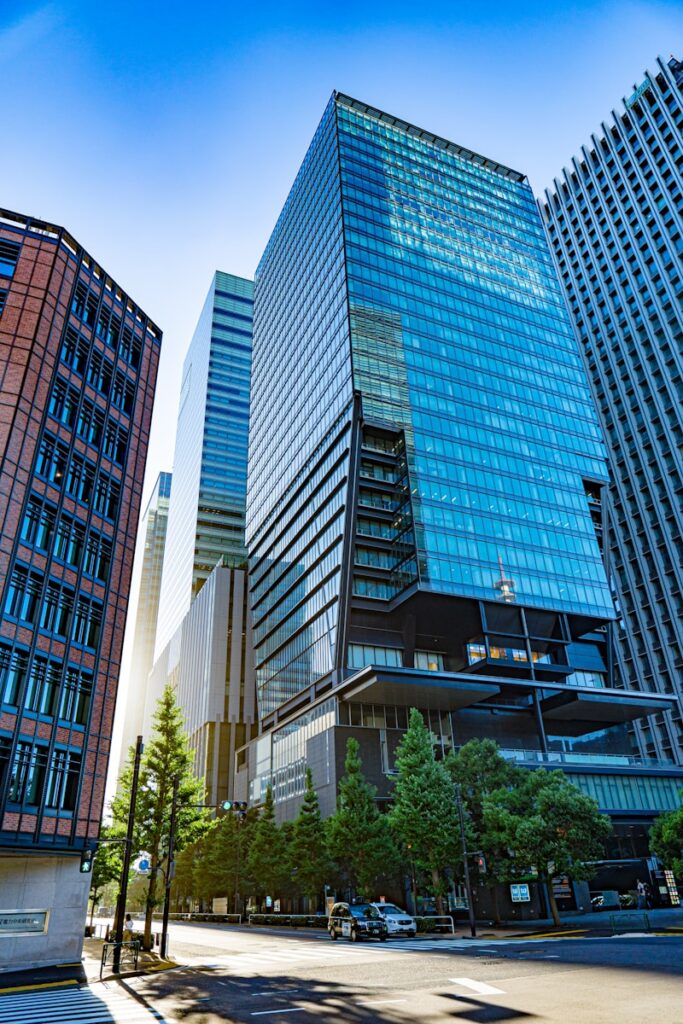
{"x": 425, "y": 475}
{"x": 206, "y": 514}
{"x": 151, "y": 545}
{"x": 615, "y": 223}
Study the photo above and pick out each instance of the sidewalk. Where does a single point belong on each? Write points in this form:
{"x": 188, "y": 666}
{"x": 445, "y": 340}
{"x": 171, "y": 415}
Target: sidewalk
{"x": 598, "y": 922}
{"x": 148, "y": 962}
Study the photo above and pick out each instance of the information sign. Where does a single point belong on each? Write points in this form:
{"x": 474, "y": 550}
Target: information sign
{"x": 23, "y": 922}
{"x": 519, "y": 893}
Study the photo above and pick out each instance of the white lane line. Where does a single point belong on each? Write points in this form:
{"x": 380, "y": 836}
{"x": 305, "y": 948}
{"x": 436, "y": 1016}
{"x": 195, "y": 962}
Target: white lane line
{"x": 480, "y": 987}
{"x": 381, "y": 1002}
{"x": 267, "y": 1013}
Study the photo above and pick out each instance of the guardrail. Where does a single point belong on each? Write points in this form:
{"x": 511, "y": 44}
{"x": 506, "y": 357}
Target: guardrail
{"x": 291, "y": 920}
{"x": 198, "y": 915}
{"x": 436, "y": 917}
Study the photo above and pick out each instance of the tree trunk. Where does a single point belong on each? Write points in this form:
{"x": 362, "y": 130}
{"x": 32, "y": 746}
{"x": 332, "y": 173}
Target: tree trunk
{"x": 495, "y": 898}
{"x": 436, "y": 882}
{"x": 551, "y": 901}
{"x": 150, "y": 903}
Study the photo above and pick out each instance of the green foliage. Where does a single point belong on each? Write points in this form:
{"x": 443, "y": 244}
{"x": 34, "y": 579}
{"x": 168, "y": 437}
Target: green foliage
{"x": 106, "y": 867}
{"x": 479, "y": 769}
{"x": 166, "y": 757}
{"x": 548, "y": 823}
{"x": 267, "y": 857}
{"x": 308, "y": 854}
{"x": 424, "y": 814}
{"x": 359, "y": 837}
{"x": 666, "y": 839}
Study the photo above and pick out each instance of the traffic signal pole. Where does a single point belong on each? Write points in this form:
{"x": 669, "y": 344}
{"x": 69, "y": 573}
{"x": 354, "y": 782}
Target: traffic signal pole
{"x": 465, "y": 863}
{"x": 128, "y": 849}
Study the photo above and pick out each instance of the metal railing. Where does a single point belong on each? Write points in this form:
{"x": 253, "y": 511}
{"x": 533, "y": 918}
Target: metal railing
{"x": 128, "y": 953}
{"x": 571, "y": 758}
{"x": 438, "y": 917}
{"x": 627, "y": 922}
{"x": 291, "y": 920}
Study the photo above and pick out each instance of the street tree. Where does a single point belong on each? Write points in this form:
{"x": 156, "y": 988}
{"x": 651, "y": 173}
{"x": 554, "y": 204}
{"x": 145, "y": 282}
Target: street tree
{"x": 234, "y": 837}
{"x": 182, "y": 886}
{"x": 424, "y": 813}
{"x": 666, "y": 839}
{"x": 166, "y": 757}
{"x": 106, "y": 867}
{"x": 549, "y": 825}
{"x": 308, "y": 853}
{"x": 267, "y": 856}
{"x": 479, "y": 769}
{"x": 359, "y": 837}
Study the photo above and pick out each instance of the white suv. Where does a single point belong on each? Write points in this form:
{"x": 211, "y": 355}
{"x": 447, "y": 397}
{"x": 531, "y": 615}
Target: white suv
{"x": 398, "y": 922}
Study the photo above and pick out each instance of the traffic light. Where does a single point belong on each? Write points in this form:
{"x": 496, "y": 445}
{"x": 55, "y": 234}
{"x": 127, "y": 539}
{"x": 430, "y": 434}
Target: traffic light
{"x": 86, "y": 862}
{"x": 481, "y": 863}
{"x": 238, "y": 806}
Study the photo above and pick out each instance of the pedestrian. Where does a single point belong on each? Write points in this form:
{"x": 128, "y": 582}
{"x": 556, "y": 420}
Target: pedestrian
{"x": 128, "y": 929}
{"x": 642, "y": 894}
{"x": 649, "y": 897}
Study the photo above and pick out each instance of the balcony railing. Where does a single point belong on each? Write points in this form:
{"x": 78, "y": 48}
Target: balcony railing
{"x": 566, "y": 757}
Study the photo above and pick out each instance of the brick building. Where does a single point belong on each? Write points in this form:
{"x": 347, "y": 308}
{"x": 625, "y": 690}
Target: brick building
{"x": 78, "y": 364}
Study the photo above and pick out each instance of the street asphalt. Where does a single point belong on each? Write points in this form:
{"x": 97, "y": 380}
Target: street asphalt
{"x": 237, "y": 975}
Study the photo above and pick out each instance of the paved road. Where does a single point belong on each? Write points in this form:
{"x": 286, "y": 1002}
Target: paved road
{"x": 240, "y": 976}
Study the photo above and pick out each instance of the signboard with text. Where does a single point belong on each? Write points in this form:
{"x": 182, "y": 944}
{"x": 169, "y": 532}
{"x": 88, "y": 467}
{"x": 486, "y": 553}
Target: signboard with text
{"x": 23, "y": 922}
{"x": 519, "y": 893}
{"x": 672, "y": 888}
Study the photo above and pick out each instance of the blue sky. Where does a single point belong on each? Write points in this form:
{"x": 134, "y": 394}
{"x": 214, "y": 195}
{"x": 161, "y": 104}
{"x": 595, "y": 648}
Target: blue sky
{"x": 165, "y": 136}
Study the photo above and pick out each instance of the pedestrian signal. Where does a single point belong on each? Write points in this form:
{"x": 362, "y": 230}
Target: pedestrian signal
{"x": 86, "y": 862}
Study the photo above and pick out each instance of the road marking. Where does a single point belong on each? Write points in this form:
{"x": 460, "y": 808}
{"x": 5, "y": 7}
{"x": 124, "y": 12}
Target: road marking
{"x": 35, "y": 988}
{"x": 266, "y": 1013}
{"x": 480, "y": 987}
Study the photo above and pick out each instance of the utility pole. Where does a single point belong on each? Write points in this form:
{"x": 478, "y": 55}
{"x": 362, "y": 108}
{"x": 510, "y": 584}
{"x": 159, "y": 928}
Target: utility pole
{"x": 123, "y": 888}
{"x": 466, "y": 867}
{"x": 170, "y": 866}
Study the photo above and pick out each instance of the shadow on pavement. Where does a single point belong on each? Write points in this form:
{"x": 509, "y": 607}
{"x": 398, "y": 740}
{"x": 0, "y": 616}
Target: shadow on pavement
{"x": 205, "y": 997}
{"x": 484, "y": 1013}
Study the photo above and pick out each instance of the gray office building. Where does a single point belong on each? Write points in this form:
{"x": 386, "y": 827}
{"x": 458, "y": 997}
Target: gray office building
{"x": 615, "y": 223}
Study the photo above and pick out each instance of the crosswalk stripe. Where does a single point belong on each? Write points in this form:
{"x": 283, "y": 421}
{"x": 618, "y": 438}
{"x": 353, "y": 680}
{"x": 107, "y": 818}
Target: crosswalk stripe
{"x": 75, "y": 1006}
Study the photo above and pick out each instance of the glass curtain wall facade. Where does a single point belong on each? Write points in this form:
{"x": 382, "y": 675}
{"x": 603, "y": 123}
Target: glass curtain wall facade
{"x": 459, "y": 336}
{"x": 615, "y": 223}
{"x": 414, "y": 276}
{"x": 152, "y": 543}
{"x": 206, "y": 514}
{"x": 300, "y": 433}
{"x": 424, "y": 513}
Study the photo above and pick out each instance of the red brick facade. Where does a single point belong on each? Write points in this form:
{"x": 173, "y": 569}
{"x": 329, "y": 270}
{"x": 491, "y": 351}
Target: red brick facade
{"x": 41, "y": 303}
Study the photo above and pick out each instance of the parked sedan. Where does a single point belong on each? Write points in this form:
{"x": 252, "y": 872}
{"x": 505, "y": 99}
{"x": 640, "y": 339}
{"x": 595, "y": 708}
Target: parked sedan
{"x": 357, "y": 921}
{"x": 398, "y": 921}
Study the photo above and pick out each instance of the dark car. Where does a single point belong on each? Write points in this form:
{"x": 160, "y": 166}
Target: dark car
{"x": 356, "y": 921}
